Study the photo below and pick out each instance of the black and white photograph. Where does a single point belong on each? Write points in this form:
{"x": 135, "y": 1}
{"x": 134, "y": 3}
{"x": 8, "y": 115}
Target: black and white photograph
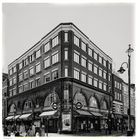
{"x": 68, "y": 70}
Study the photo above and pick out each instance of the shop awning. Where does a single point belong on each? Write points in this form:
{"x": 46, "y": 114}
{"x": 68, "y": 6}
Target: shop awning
{"x": 48, "y": 113}
{"x": 96, "y": 114}
{"x": 9, "y": 117}
{"x": 24, "y": 116}
{"x": 16, "y": 117}
{"x": 83, "y": 112}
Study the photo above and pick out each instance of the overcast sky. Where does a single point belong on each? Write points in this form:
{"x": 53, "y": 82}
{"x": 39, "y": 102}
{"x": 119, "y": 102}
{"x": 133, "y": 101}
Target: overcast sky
{"x": 109, "y": 26}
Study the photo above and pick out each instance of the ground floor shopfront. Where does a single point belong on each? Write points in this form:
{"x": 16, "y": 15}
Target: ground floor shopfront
{"x": 64, "y": 105}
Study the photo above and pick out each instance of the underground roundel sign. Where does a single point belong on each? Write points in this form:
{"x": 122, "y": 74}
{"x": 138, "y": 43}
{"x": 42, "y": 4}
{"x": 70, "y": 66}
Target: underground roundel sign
{"x": 79, "y": 105}
{"x": 54, "y": 106}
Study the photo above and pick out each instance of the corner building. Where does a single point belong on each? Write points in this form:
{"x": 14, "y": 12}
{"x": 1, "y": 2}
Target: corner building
{"x": 63, "y": 82}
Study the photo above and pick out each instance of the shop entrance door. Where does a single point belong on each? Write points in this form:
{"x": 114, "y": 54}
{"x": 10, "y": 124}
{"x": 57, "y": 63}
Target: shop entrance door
{"x": 52, "y": 125}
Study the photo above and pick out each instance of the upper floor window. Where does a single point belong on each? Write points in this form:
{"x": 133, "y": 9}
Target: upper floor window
{"x": 20, "y": 88}
{"x": 25, "y": 74}
{"x": 55, "y": 58}
{"x": 47, "y": 62}
{"x": 100, "y": 59}
{"x": 104, "y": 62}
{"x": 109, "y": 77}
{"x": 37, "y": 82}
{"x": 38, "y": 68}
{"x": 31, "y": 71}
{"x": 38, "y": 53}
{"x": 104, "y": 74}
{"x": 100, "y": 84}
{"x": 47, "y": 47}
{"x": 90, "y": 52}
{"x": 31, "y": 58}
{"x": 83, "y": 46}
{"x": 105, "y": 86}
{"x": 83, "y": 61}
{"x": 20, "y": 77}
{"x": 95, "y": 56}
{"x": 95, "y": 82}
{"x": 76, "y": 41}
{"x": 66, "y": 37}
{"x": 90, "y": 79}
{"x": 109, "y": 66}
{"x": 66, "y": 71}
{"x": 14, "y": 91}
{"x": 83, "y": 76}
{"x": 20, "y": 65}
{"x": 25, "y": 62}
{"x": 14, "y": 69}
{"x": 47, "y": 77}
{"x": 55, "y": 41}
{"x": 31, "y": 84}
{"x": 66, "y": 54}
{"x": 14, "y": 80}
{"x": 76, "y": 73}
{"x": 95, "y": 69}
{"x": 90, "y": 65}
{"x": 54, "y": 74}
{"x": 10, "y": 71}
{"x": 100, "y": 72}
{"x": 10, "y": 81}
{"x": 25, "y": 87}
{"x": 76, "y": 56}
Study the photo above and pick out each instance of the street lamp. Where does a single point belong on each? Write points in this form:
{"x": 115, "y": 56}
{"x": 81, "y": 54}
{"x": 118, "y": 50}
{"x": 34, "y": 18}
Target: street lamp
{"x": 122, "y": 70}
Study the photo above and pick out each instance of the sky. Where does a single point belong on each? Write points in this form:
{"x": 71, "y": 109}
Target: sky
{"x": 109, "y": 26}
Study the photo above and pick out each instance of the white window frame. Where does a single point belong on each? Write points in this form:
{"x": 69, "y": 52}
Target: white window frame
{"x": 100, "y": 59}
{"x": 95, "y": 69}
{"x": 55, "y": 57}
{"x": 66, "y": 37}
{"x": 66, "y": 71}
{"x": 47, "y": 62}
{"x": 95, "y": 56}
{"x": 26, "y": 74}
{"x": 76, "y": 73}
{"x": 100, "y": 84}
{"x": 76, "y": 57}
{"x": 90, "y": 66}
{"x": 83, "y": 61}
{"x": 100, "y": 72}
{"x": 76, "y": 41}
{"x": 90, "y": 52}
{"x": 90, "y": 80}
{"x": 38, "y": 53}
{"x": 84, "y": 77}
{"x": 38, "y": 67}
{"x": 31, "y": 74}
{"x": 48, "y": 73}
{"x": 95, "y": 82}
{"x": 66, "y": 54}
{"x": 47, "y": 47}
{"x": 83, "y": 46}
{"x": 36, "y": 82}
{"x": 55, "y": 41}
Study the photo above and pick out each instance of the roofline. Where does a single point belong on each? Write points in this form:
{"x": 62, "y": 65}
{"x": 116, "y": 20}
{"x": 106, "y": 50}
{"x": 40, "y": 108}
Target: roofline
{"x": 67, "y": 23}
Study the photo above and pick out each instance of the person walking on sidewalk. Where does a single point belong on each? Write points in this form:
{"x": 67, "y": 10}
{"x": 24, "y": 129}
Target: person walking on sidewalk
{"x": 106, "y": 128}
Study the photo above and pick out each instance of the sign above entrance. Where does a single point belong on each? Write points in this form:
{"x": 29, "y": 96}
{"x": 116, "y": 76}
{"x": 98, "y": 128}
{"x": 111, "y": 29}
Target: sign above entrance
{"x": 79, "y": 105}
{"x": 54, "y": 106}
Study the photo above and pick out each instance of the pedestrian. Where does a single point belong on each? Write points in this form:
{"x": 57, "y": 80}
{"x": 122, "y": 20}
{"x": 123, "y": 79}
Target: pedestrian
{"x": 33, "y": 129}
{"x": 106, "y": 128}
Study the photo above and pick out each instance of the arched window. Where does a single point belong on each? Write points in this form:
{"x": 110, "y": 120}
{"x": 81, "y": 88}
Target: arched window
{"x": 93, "y": 102}
{"x": 51, "y": 98}
{"x": 79, "y": 97}
{"x": 12, "y": 108}
{"x": 104, "y": 105}
{"x": 28, "y": 105}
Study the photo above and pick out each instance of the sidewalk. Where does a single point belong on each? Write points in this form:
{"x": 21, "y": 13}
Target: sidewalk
{"x": 102, "y": 134}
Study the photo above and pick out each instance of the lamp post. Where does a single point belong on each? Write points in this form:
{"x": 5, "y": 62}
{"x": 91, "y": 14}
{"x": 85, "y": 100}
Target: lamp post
{"x": 122, "y": 70}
